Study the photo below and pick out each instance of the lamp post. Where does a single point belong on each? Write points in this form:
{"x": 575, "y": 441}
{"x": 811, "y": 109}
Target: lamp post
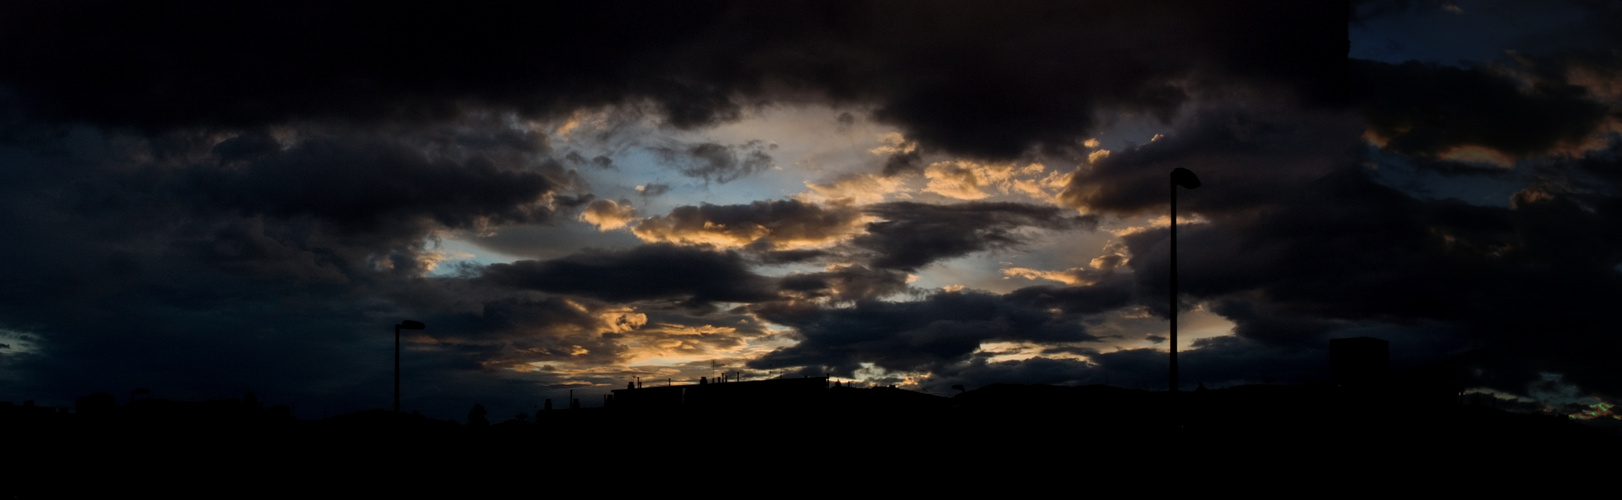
{"x": 1185, "y": 178}
{"x": 404, "y": 325}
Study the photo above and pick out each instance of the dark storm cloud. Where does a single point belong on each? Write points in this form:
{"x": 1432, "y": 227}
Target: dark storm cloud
{"x": 508, "y": 331}
{"x": 501, "y": 317}
{"x": 1289, "y": 212}
{"x": 790, "y": 256}
{"x": 763, "y": 225}
{"x": 1112, "y": 292}
{"x": 367, "y": 183}
{"x": 322, "y": 208}
{"x": 648, "y": 272}
{"x": 1301, "y": 244}
{"x": 975, "y": 78}
{"x": 550, "y": 241}
{"x": 329, "y": 203}
{"x": 1557, "y": 282}
{"x": 259, "y": 62}
{"x": 1427, "y": 109}
{"x": 208, "y": 264}
{"x": 142, "y": 315}
{"x": 927, "y": 335}
{"x": 845, "y": 284}
{"x": 249, "y": 247}
{"x": 717, "y": 162}
{"x": 1340, "y": 246}
{"x": 1037, "y": 75}
{"x": 913, "y": 235}
{"x": 1274, "y": 327}
{"x": 1256, "y": 154}
{"x": 1346, "y": 254}
{"x": 911, "y": 161}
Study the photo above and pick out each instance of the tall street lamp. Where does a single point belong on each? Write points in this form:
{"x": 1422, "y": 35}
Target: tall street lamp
{"x": 1179, "y": 177}
{"x": 406, "y": 325}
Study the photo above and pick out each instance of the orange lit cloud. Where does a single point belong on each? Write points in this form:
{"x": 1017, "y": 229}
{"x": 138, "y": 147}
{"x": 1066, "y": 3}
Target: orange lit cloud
{"x": 1160, "y": 222}
{"x": 966, "y": 180}
{"x": 781, "y": 224}
{"x": 1477, "y": 154}
{"x": 957, "y": 180}
{"x": 861, "y": 189}
{"x": 894, "y": 143}
{"x": 608, "y": 215}
{"x": 1075, "y": 276}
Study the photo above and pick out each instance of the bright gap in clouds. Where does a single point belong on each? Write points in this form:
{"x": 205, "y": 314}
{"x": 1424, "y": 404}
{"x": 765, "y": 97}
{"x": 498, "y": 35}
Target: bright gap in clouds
{"x": 1138, "y": 328}
{"x": 817, "y": 155}
{"x": 1399, "y": 172}
{"x": 14, "y": 343}
{"x": 803, "y": 143}
{"x": 620, "y": 159}
{"x": 456, "y": 252}
{"x": 670, "y": 358}
{"x": 1194, "y": 324}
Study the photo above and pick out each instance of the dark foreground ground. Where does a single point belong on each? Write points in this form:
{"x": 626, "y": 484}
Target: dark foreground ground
{"x": 1006, "y": 439}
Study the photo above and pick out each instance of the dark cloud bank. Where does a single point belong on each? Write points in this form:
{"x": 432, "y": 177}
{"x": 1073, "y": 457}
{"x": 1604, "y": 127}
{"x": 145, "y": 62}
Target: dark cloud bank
{"x": 967, "y": 77}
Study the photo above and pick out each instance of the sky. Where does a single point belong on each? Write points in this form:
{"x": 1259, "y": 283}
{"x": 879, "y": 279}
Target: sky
{"x": 203, "y": 199}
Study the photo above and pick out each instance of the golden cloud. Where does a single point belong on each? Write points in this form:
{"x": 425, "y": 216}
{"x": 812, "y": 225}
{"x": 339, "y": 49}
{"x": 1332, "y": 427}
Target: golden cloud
{"x": 1075, "y": 276}
{"x": 893, "y": 143}
{"x": 967, "y": 180}
{"x": 779, "y": 225}
{"x": 1479, "y": 155}
{"x": 956, "y": 180}
{"x": 608, "y": 215}
{"x": 860, "y": 189}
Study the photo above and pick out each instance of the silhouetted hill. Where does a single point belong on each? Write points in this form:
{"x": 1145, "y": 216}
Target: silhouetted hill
{"x": 997, "y": 432}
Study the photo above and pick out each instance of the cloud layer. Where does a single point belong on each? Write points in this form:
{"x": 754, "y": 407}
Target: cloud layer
{"x": 208, "y": 199}
{"x": 968, "y": 77}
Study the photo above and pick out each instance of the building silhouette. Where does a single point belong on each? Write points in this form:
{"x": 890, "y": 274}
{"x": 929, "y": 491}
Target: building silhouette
{"x": 1358, "y": 362}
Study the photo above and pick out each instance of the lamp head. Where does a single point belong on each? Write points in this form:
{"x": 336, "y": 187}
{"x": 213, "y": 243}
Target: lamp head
{"x": 411, "y": 325}
{"x": 1185, "y": 178}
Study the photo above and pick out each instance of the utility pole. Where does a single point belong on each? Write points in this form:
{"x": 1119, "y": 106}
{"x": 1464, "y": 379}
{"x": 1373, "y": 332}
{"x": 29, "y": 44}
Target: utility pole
{"x": 1185, "y": 178}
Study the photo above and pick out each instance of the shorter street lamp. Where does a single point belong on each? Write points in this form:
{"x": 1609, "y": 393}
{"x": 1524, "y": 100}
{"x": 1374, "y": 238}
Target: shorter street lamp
{"x": 404, "y": 325}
